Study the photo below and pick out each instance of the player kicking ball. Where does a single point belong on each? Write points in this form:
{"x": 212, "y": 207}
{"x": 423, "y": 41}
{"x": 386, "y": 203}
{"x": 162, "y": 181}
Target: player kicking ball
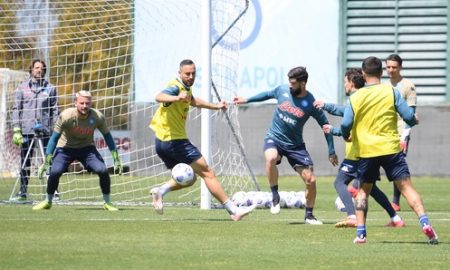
{"x": 173, "y": 146}
{"x": 73, "y": 137}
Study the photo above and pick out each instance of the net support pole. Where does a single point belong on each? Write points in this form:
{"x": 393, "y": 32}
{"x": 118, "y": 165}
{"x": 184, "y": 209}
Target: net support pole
{"x": 205, "y": 200}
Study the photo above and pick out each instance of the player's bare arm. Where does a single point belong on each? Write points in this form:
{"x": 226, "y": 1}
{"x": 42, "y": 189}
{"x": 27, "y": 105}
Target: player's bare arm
{"x": 166, "y": 98}
{"x": 200, "y": 103}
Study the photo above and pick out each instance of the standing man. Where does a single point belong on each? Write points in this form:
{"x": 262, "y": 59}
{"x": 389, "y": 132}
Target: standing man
{"x": 408, "y": 91}
{"x": 34, "y": 112}
{"x": 73, "y": 137}
{"x": 285, "y": 136}
{"x": 173, "y": 145}
{"x": 371, "y": 117}
{"x": 353, "y": 80}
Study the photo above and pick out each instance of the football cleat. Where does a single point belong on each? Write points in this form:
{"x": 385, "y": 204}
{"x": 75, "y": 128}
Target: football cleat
{"x": 19, "y": 198}
{"x": 431, "y": 234}
{"x": 396, "y": 224}
{"x": 312, "y": 220}
{"x": 346, "y": 223}
{"x": 242, "y": 212}
{"x": 157, "y": 201}
{"x": 110, "y": 207}
{"x": 43, "y": 205}
{"x": 360, "y": 239}
{"x": 57, "y": 196}
{"x": 275, "y": 209}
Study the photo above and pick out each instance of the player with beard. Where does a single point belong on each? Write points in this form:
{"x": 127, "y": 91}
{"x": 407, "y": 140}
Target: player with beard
{"x": 173, "y": 146}
{"x": 73, "y": 138}
{"x": 285, "y": 136}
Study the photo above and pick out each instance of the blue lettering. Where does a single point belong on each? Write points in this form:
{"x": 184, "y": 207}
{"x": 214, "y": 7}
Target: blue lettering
{"x": 245, "y": 80}
{"x": 258, "y": 77}
{"x": 259, "y": 74}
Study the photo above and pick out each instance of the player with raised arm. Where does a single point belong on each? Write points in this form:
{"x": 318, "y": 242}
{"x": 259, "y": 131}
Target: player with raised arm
{"x": 173, "y": 145}
{"x": 407, "y": 89}
{"x": 371, "y": 118}
{"x": 353, "y": 80}
{"x": 285, "y": 136}
{"x": 73, "y": 138}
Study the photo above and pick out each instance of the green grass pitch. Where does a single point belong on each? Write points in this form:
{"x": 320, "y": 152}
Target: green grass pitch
{"x": 87, "y": 237}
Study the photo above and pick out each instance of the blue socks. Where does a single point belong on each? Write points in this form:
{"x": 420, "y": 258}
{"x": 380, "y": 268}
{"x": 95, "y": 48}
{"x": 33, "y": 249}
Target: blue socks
{"x": 275, "y": 195}
{"x": 423, "y": 220}
{"x": 361, "y": 230}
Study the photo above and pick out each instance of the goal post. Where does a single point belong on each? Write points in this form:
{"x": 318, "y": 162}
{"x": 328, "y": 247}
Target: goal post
{"x": 96, "y": 45}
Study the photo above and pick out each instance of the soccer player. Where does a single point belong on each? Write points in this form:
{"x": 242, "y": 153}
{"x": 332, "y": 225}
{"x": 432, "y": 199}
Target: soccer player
{"x": 73, "y": 137}
{"x": 34, "y": 112}
{"x": 285, "y": 136}
{"x": 353, "y": 80}
{"x": 408, "y": 91}
{"x": 173, "y": 145}
{"x": 371, "y": 119}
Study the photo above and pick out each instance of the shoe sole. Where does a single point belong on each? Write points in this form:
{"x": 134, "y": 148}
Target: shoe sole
{"x": 239, "y": 217}
{"x": 360, "y": 242}
{"x": 42, "y": 208}
{"x": 344, "y": 224}
{"x": 389, "y": 225}
{"x": 110, "y": 209}
{"x": 432, "y": 239}
{"x": 313, "y": 223}
{"x": 158, "y": 209}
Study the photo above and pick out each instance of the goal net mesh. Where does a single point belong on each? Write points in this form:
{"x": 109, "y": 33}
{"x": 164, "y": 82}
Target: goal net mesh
{"x": 92, "y": 45}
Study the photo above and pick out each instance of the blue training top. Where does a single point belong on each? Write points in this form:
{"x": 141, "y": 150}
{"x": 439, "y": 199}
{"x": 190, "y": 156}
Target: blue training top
{"x": 291, "y": 115}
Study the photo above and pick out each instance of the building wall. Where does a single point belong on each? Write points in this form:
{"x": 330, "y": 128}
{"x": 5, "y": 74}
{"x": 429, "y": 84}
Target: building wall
{"x": 429, "y": 151}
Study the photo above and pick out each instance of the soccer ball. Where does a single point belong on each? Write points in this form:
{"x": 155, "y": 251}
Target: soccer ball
{"x": 183, "y": 174}
{"x": 339, "y": 204}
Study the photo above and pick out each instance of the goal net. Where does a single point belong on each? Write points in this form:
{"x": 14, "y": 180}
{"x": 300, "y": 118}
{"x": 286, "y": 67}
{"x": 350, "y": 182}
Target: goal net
{"x": 119, "y": 51}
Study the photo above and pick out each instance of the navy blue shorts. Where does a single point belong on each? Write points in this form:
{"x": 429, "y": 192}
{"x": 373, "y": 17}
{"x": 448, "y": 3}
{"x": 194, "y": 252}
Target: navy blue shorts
{"x": 177, "y": 151}
{"x": 394, "y": 165}
{"x": 349, "y": 168}
{"x": 297, "y": 156}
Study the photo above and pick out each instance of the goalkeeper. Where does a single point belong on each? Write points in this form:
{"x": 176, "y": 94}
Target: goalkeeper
{"x": 73, "y": 137}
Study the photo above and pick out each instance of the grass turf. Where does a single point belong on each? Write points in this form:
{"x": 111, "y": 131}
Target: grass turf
{"x": 87, "y": 237}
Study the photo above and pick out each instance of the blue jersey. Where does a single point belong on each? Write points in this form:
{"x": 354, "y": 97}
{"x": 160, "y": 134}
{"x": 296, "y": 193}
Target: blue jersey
{"x": 291, "y": 115}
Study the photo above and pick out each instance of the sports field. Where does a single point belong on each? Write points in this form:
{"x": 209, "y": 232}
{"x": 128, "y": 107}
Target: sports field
{"x": 87, "y": 237}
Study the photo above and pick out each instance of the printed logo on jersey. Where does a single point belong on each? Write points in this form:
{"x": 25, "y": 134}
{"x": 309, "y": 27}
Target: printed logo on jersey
{"x": 286, "y": 106}
{"x": 80, "y": 131}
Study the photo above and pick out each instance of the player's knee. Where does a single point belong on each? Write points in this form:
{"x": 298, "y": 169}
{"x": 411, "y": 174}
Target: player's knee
{"x": 271, "y": 162}
{"x": 360, "y": 204}
{"x": 307, "y": 174}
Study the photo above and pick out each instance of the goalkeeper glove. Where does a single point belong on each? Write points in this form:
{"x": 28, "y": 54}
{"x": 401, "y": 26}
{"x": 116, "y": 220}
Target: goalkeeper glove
{"x": 117, "y": 161}
{"x": 17, "y": 137}
{"x": 44, "y": 167}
